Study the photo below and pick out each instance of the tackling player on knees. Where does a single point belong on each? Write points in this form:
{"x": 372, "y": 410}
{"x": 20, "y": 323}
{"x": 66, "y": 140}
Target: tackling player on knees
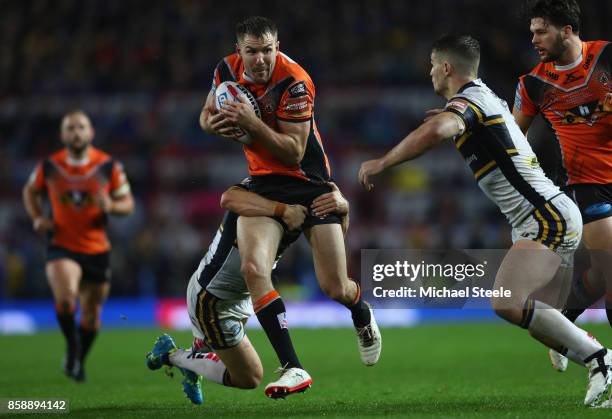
{"x": 219, "y": 305}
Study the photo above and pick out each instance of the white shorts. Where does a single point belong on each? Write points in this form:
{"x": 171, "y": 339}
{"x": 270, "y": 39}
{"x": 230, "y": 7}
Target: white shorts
{"x": 558, "y": 226}
{"x": 219, "y": 323}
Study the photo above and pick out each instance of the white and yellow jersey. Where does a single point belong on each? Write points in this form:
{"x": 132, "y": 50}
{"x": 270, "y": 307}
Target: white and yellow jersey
{"x": 499, "y": 155}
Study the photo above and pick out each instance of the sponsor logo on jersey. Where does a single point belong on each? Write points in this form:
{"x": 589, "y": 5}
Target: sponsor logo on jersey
{"x": 570, "y": 78}
{"x": 296, "y": 105}
{"x": 588, "y": 61}
{"x": 533, "y": 162}
{"x": 297, "y": 90}
{"x": 457, "y": 105}
{"x": 76, "y": 198}
{"x": 552, "y": 75}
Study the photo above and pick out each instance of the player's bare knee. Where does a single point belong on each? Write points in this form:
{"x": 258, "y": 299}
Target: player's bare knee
{"x": 90, "y": 320}
{"x": 252, "y": 270}
{"x": 65, "y": 305}
{"x": 247, "y": 380}
{"x": 253, "y": 379}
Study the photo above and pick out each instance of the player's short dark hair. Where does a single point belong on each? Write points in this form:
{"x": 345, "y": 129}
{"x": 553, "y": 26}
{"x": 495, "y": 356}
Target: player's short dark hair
{"x": 462, "y": 50}
{"x": 74, "y": 112}
{"x": 557, "y": 12}
{"x": 256, "y": 26}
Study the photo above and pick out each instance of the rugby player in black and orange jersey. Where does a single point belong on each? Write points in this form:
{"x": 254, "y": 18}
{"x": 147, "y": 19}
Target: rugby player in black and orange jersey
{"x": 83, "y": 186}
{"x": 287, "y": 163}
{"x": 572, "y": 88}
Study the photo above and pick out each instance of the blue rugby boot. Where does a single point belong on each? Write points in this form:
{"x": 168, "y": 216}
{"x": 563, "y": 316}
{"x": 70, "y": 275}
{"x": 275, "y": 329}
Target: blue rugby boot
{"x": 158, "y": 357}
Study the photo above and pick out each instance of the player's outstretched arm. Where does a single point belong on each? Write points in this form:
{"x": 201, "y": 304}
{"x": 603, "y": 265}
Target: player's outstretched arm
{"x": 249, "y": 204}
{"x": 429, "y": 134}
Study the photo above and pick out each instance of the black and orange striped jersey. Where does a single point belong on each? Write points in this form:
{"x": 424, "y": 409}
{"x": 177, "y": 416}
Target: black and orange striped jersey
{"x": 288, "y": 96}
{"x": 576, "y": 101}
{"x": 79, "y": 223}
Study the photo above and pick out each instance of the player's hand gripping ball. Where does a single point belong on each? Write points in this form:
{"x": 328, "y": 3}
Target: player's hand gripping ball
{"x": 230, "y": 90}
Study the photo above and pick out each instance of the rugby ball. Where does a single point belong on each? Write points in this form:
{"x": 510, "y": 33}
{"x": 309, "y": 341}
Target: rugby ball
{"x": 229, "y": 90}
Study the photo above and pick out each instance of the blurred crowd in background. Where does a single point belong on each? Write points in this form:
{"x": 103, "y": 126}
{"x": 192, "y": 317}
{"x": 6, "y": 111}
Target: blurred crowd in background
{"x": 142, "y": 70}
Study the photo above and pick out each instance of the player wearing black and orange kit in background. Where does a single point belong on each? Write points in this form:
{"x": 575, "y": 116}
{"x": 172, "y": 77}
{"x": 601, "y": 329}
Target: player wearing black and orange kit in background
{"x": 572, "y": 88}
{"x": 287, "y": 163}
{"x": 83, "y": 185}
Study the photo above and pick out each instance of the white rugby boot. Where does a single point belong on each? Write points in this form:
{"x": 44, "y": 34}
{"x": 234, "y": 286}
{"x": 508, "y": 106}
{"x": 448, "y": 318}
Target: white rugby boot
{"x": 291, "y": 381}
{"x": 558, "y": 361}
{"x": 600, "y": 379}
{"x": 369, "y": 341}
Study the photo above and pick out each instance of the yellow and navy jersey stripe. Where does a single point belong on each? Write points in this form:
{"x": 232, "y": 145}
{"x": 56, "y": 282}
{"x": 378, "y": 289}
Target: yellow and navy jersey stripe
{"x": 207, "y": 316}
{"x": 552, "y": 225}
{"x": 487, "y": 144}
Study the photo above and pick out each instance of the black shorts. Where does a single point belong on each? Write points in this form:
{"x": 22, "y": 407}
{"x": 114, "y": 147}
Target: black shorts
{"x": 292, "y": 191}
{"x": 96, "y": 267}
{"x": 594, "y": 200}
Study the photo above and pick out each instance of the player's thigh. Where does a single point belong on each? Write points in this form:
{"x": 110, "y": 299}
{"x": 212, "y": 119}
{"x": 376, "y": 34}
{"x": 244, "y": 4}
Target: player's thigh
{"x": 528, "y": 266}
{"x": 243, "y": 364}
{"x": 63, "y": 276}
{"x": 92, "y": 296}
{"x": 597, "y": 237}
{"x": 258, "y": 240}
{"x": 258, "y": 237}
{"x": 328, "y": 253}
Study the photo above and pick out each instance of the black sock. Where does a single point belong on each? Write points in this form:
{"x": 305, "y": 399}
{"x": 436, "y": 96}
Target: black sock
{"x": 360, "y": 311}
{"x": 572, "y": 314}
{"x": 579, "y": 299}
{"x": 66, "y": 322}
{"x": 86, "y": 337}
{"x": 272, "y": 319}
{"x": 609, "y": 311}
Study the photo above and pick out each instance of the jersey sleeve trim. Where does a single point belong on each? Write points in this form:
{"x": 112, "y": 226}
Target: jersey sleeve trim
{"x": 522, "y": 100}
{"x": 293, "y": 119}
{"x": 469, "y": 112}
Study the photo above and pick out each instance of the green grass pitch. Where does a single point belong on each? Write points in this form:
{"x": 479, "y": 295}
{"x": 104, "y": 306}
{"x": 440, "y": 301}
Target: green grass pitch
{"x": 479, "y": 370}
